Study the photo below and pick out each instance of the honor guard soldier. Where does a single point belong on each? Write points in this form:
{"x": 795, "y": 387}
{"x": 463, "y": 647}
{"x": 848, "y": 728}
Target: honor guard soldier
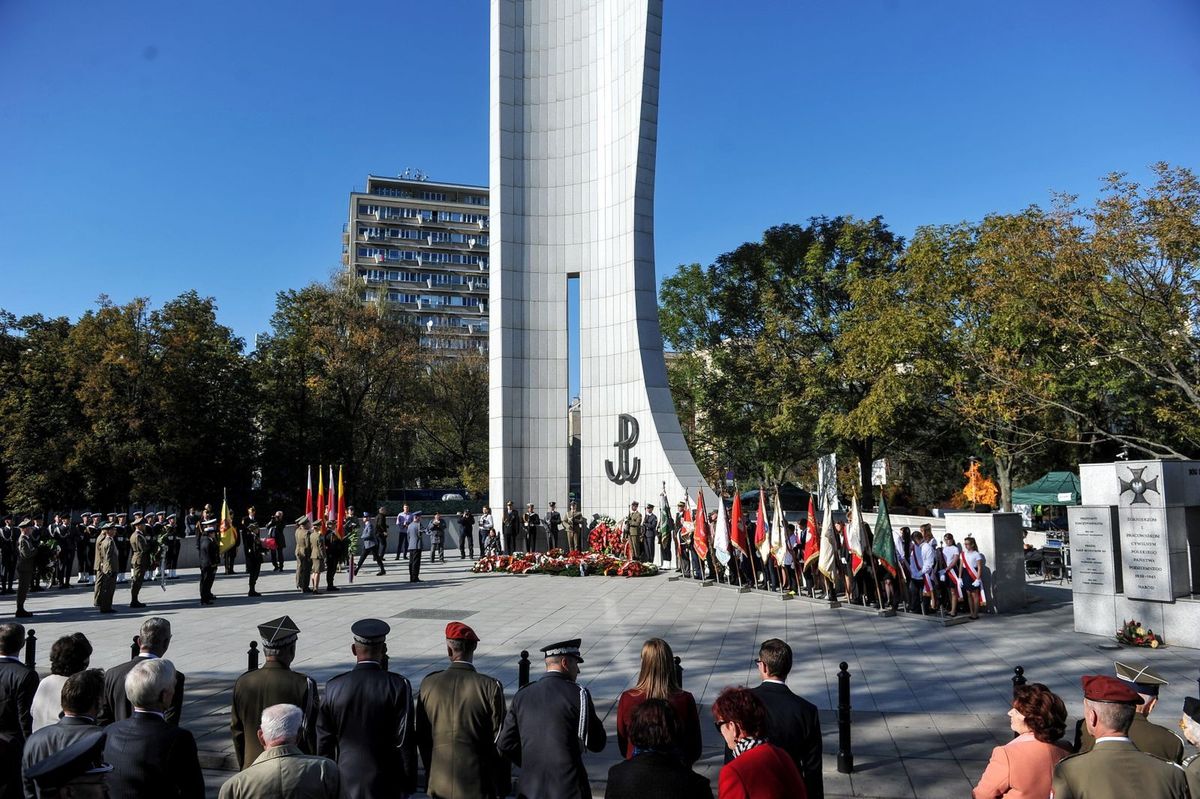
{"x": 63, "y": 535}
{"x": 252, "y": 545}
{"x": 105, "y": 568}
{"x": 530, "y": 521}
{"x": 210, "y": 558}
{"x": 274, "y": 684}
{"x": 92, "y": 530}
{"x": 332, "y": 545}
{"x": 42, "y": 555}
{"x": 155, "y": 528}
{"x": 510, "y": 524}
{"x": 576, "y": 528}
{"x": 459, "y": 714}
{"x": 365, "y": 722}
{"x": 173, "y": 544}
{"x": 303, "y": 562}
{"x": 549, "y": 725}
{"x": 141, "y": 559}
{"x": 83, "y": 557}
{"x": 27, "y": 554}
{"x": 1114, "y": 768}
{"x": 650, "y": 531}
{"x": 1146, "y": 735}
{"x": 121, "y": 536}
{"x": 1190, "y": 722}
{"x": 633, "y": 530}
{"x": 553, "y": 525}
{"x": 8, "y": 555}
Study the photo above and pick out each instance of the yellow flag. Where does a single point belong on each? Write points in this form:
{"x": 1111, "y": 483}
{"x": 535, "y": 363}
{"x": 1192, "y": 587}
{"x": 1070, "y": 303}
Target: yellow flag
{"x": 229, "y": 535}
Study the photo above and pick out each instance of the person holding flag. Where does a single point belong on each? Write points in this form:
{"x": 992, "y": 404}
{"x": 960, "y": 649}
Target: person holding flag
{"x": 762, "y": 543}
{"x": 701, "y": 538}
{"x": 884, "y": 549}
{"x": 683, "y": 528}
{"x": 739, "y": 544}
{"x": 811, "y": 549}
{"x": 827, "y": 558}
{"x": 779, "y": 548}
{"x": 721, "y": 539}
{"x": 229, "y": 534}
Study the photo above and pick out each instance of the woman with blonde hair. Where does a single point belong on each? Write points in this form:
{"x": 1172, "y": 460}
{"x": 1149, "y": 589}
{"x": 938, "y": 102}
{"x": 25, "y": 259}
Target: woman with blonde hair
{"x": 659, "y": 680}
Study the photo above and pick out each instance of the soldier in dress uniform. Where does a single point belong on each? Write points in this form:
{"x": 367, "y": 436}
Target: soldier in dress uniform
{"x": 1189, "y": 722}
{"x": 316, "y": 554}
{"x": 684, "y": 562}
{"x": 1114, "y": 768}
{"x": 510, "y": 524}
{"x": 275, "y": 683}
{"x": 365, "y": 722}
{"x": 79, "y": 535}
{"x": 61, "y": 532}
{"x": 105, "y": 568}
{"x": 121, "y": 536}
{"x": 42, "y": 555}
{"x": 141, "y": 559}
{"x": 331, "y": 545}
{"x": 210, "y": 558}
{"x": 92, "y": 531}
{"x": 650, "y": 533}
{"x": 27, "y": 554}
{"x": 303, "y": 563}
{"x": 549, "y": 724}
{"x": 633, "y": 531}
{"x": 352, "y": 531}
{"x": 1146, "y": 735}
{"x": 459, "y": 714}
{"x": 252, "y": 544}
{"x": 553, "y": 525}
{"x": 174, "y": 543}
{"x": 8, "y": 555}
{"x": 530, "y": 522}
{"x": 576, "y": 528}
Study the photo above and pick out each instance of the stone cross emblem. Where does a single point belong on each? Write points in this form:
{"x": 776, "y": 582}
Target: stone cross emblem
{"x": 627, "y": 436}
{"x": 1139, "y": 486}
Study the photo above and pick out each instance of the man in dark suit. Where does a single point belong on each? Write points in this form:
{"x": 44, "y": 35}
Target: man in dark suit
{"x": 81, "y": 706}
{"x": 366, "y": 721}
{"x": 210, "y": 556}
{"x": 792, "y": 721}
{"x": 459, "y": 713}
{"x": 154, "y": 640}
{"x": 549, "y": 724}
{"x": 149, "y": 756}
{"x": 18, "y": 683}
{"x": 415, "y": 546}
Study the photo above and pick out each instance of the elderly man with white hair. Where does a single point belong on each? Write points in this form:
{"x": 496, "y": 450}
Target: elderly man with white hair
{"x": 149, "y": 756}
{"x": 282, "y": 771}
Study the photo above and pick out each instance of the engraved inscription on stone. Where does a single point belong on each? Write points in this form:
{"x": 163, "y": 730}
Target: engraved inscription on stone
{"x": 1145, "y": 553}
{"x": 1094, "y": 566}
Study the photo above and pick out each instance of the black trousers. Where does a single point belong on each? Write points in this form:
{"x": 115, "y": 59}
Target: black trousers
{"x": 376, "y": 552}
{"x": 414, "y": 565}
{"x": 467, "y": 540}
{"x": 82, "y": 551}
{"x": 123, "y": 555}
{"x": 531, "y": 540}
{"x": 8, "y": 571}
{"x": 253, "y": 568}
{"x": 172, "y": 554}
{"x": 277, "y": 554}
{"x": 208, "y": 575}
{"x": 66, "y": 557}
{"x": 402, "y": 545}
{"x": 551, "y": 538}
{"x": 229, "y": 558}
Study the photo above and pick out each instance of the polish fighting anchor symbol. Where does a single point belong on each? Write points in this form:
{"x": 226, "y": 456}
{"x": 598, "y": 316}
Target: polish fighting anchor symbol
{"x": 627, "y": 436}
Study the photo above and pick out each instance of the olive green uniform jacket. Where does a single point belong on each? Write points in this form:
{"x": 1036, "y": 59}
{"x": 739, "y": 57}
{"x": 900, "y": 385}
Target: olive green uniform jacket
{"x": 458, "y": 716}
{"x": 1115, "y": 769}
{"x": 254, "y": 692}
{"x": 1147, "y": 736}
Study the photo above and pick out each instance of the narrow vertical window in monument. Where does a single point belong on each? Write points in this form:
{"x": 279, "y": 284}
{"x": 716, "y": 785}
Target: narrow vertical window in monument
{"x": 574, "y": 419}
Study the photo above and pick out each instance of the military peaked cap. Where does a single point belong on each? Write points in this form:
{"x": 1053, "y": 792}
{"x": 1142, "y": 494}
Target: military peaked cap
{"x": 1143, "y": 679}
{"x": 1191, "y": 708}
{"x": 85, "y": 755}
{"x": 370, "y": 631}
{"x": 278, "y": 633}
{"x": 570, "y": 647}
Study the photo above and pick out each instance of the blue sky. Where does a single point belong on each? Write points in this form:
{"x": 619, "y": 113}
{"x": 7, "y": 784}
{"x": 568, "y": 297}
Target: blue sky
{"x": 149, "y": 148}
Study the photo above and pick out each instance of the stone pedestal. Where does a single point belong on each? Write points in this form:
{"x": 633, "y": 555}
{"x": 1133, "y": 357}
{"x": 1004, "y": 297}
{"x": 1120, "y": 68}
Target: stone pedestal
{"x": 998, "y": 536}
{"x": 1095, "y": 550}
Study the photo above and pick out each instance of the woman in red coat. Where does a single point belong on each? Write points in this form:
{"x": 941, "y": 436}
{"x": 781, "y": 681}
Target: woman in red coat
{"x": 759, "y": 769}
{"x": 658, "y": 680}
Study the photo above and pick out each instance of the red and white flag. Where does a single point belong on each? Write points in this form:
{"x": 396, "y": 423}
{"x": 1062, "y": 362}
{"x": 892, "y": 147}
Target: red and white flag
{"x": 308, "y": 505}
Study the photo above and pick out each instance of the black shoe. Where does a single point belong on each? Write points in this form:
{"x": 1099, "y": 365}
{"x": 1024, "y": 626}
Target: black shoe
{"x": 332, "y": 588}
{"x": 108, "y": 610}
{"x": 380, "y": 573}
{"x": 22, "y": 614}
{"x": 137, "y": 604}
{"x": 253, "y": 593}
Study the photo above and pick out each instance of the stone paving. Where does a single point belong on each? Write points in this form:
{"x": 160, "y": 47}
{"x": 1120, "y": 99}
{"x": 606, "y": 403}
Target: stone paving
{"x": 928, "y": 701}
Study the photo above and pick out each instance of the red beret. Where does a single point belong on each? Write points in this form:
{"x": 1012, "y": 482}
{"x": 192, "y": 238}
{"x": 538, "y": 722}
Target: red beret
{"x": 457, "y": 631}
{"x": 1099, "y": 688}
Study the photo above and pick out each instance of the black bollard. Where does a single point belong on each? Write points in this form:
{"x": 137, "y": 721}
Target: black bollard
{"x": 30, "y": 649}
{"x": 845, "y": 758}
{"x": 523, "y": 669}
{"x": 679, "y": 671}
{"x": 1018, "y": 678}
{"x": 252, "y": 657}
{"x": 135, "y": 648}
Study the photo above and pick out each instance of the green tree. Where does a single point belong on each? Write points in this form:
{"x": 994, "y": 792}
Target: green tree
{"x": 454, "y": 416}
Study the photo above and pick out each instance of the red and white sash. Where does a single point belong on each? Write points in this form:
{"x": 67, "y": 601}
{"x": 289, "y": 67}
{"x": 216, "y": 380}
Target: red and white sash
{"x": 972, "y": 575}
{"x": 955, "y": 581}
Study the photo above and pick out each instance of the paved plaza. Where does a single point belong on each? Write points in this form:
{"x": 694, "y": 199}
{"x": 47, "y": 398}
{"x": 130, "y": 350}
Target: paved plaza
{"x": 928, "y": 701}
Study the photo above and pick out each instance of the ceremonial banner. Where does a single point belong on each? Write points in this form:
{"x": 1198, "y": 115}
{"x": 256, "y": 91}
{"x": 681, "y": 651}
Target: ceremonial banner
{"x": 721, "y": 535}
{"x": 827, "y": 560}
{"x": 737, "y": 533}
{"x": 341, "y": 508}
{"x": 879, "y": 472}
{"x": 812, "y": 539}
{"x": 700, "y": 536}
{"x": 228, "y": 531}
{"x": 779, "y": 534}
{"x": 854, "y": 538}
{"x": 329, "y": 506}
{"x": 827, "y": 480}
{"x": 320, "y": 493}
{"x": 762, "y": 541}
{"x": 884, "y": 545}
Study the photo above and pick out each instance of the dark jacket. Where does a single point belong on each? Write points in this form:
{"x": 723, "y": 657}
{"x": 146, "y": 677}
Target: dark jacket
{"x": 365, "y": 723}
{"x": 151, "y": 758}
{"x": 49, "y": 740}
{"x": 794, "y": 726}
{"x": 655, "y": 774}
{"x": 18, "y": 684}
{"x": 114, "y": 704}
{"x": 548, "y": 725}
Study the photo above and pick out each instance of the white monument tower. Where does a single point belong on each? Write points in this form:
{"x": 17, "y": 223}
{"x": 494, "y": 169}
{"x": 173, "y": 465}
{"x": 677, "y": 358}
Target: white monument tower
{"x": 574, "y": 121}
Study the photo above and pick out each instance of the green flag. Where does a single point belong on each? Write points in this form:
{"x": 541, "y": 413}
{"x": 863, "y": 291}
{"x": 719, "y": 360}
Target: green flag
{"x": 884, "y": 546}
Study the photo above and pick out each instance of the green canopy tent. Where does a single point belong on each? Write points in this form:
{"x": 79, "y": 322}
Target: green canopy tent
{"x": 1053, "y": 488}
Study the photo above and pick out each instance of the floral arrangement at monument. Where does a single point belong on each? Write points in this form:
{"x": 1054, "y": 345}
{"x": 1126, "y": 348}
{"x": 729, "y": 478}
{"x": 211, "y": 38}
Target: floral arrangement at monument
{"x": 566, "y": 564}
{"x": 1132, "y": 633}
{"x": 606, "y": 537}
